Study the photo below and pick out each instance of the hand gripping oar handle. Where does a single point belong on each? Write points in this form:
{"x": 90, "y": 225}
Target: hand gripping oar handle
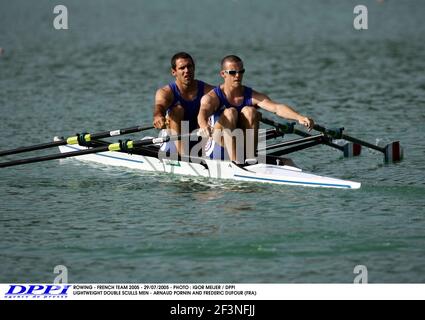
{"x": 81, "y": 139}
{"x": 393, "y": 151}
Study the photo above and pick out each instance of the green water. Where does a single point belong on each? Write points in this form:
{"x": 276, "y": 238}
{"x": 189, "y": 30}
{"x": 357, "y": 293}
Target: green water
{"x": 119, "y": 225}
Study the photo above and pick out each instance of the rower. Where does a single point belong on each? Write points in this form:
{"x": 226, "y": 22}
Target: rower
{"x": 177, "y": 104}
{"x": 230, "y": 106}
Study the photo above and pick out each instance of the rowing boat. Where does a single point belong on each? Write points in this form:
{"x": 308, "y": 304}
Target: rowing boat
{"x": 209, "y": 168}
{"x": 145, "y": 155}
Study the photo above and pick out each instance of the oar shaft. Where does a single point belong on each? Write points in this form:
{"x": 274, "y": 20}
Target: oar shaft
{"x": 393, "y": 151}
{"x": 120, "y": 132}
{"x": 125, "y": 146}
{"x": 325, "y": 140}
{"x": 33, "y": 148}
{"x": 364, "y": 143}
{"x": 287, "y": 127}
{"x": 333, "y": 145}
{"x": 74, "y": 140}
{"x": 52, "y": 157}
{"x": 270, "y": 134}
{"x": 348, "y": 138}
{"x": 293, "y": 142}
{"x": 295, "y": 148}
{"x": 284, "y": 127}
{"x": 128, "y": 146}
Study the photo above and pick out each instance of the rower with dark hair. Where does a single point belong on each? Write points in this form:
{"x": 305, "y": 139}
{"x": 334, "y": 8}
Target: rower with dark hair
{"x": 179, "y": 100}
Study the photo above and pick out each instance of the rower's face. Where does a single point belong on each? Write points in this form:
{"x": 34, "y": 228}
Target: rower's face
{"x": 232, "y": 78}
{"x": 184, "y": 71}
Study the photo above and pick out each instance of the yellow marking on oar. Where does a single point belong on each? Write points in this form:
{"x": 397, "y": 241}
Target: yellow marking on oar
{"x": 117, "y": 146}
{"x": 114, "y": 147}
{"x": 72, "y": 140}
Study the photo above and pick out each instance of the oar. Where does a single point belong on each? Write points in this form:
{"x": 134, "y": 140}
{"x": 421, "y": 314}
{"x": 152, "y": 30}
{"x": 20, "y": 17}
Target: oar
{"x": 125, "y": 146}
{"x": 81, "y": 139}
{"x": 270, "y": 134}
{"x": 318, "y": 138}
{"x": 393, "y": 151}
{"x": 349, "y": 149}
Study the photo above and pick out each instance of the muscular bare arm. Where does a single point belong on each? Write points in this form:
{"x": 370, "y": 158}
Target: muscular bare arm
{"x": 280, "y": 109}
{"x": 209, "y": 104}
{"x": 163, "y": 99}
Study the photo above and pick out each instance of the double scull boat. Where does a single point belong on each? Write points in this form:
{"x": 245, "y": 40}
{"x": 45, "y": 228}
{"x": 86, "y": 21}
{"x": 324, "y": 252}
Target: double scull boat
{"x": 145, "y": 155}
{"x": 260, "y": 172}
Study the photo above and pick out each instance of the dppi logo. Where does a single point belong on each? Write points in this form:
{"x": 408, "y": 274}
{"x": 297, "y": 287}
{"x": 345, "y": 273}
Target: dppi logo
{"x": 37, "y": 291}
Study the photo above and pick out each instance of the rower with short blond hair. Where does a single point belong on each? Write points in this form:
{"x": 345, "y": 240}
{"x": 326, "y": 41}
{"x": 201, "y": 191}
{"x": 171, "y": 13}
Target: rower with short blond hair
{"x": 232, "y": 105}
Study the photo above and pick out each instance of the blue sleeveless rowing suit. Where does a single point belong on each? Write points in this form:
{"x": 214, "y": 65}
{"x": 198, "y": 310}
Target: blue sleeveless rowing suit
{"x": 213, "y": 149}
{"x": 191, "y": 110}
{"x": 224, "y": 104}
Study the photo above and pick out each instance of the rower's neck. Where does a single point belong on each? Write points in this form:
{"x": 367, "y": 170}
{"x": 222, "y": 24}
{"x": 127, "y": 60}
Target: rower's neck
{"x": 232, "y": 91}
{"x": 187, "y": 87}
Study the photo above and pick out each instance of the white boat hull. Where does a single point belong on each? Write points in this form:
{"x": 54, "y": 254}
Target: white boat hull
{"x": 264, "y": 173}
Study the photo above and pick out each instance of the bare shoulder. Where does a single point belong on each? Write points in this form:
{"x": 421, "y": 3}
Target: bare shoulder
{"x": 258, "y": 97}
{"x": 210, "y": 98}
{"x": 164, "y": 95}
{"x": 207, "y": 87}
{"x": 164, "y": 91}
